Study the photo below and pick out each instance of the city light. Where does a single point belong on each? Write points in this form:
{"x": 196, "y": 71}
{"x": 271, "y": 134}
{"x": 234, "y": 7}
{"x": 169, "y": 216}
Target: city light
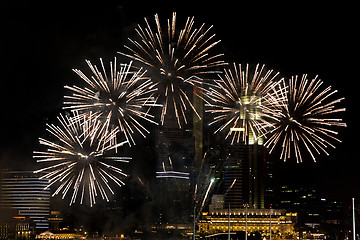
{"x": 237, "y": 129}
{"x": 172, "y": 174}
{"x": 178, "y": 135}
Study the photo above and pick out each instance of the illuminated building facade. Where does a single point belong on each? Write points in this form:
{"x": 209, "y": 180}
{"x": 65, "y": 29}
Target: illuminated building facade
{"x": 16, "y": 228}
{"x": 244, "y": 159}
{"x": 24, "y": 194}
{"x": 217, "y": 203}
{"x": 50, "y": 235}
{"x": 254, "y": 220}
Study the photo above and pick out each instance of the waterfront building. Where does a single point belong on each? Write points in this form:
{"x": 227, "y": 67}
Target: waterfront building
{"x": 250, "y": 220}
{"x": 26, "y": 196}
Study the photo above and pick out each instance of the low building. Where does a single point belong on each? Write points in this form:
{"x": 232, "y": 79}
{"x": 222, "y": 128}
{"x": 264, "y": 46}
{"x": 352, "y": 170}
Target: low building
{"x": 250, "y": 220}
{"x": 55, "y": 220}
{"x": 217, "y": 203}
{"x": 60, "y": 235}
{"x": 16, "y": 228}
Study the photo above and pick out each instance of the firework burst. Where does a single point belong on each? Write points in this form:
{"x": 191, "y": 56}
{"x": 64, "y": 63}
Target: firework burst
{"x": 307, "y": 119}
{"x": 77, "y": 159}
{"x": 121, "y": 98}
{"x": 176, "y": 60}
{"x": 245, "y": 104}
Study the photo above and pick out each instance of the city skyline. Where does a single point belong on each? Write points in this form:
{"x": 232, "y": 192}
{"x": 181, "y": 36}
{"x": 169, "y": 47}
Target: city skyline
{"x": 42, "y": 86}
{"x": 37, "y": 55}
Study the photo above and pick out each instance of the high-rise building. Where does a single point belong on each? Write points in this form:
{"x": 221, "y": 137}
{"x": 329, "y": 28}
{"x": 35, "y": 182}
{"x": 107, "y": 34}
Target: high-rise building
{"x": 198, "y": 123}
{"x": 244, "y": 174}
{"x": 26, "y": 195}
{"x": 244, "y": 159}
{"x": 236, "y": 176}
{"x": 175, "y": 153}
{"x": 179, "y": 153}
{"x": 257, "y": 175}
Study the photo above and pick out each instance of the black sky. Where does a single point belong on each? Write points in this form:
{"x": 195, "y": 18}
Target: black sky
{"x": 41, "y": 41}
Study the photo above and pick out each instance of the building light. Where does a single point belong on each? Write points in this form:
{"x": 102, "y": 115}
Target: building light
{"x": 237, "y": 129}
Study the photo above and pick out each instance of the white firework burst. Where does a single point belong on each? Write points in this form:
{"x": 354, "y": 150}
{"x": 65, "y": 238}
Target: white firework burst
{"x": 176, "y": 60}
{"x": 307, "y": 120}
{"x": 244, "y": 103}
{"x": 122, "y": 98}
{"x": 78, "y": 159}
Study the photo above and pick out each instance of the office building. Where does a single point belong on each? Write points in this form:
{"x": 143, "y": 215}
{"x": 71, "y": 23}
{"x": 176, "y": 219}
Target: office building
{"x": 24, "y": 194}
{"x": 15, "y": 227}
{"x": 244, "y": 159}
{"x": 315, "y": 210}
{"x": 217, "y": 203}
{"x": 198, "y": 130}
{"x": 179, "y": 153}
{"x": 243, "y": 173}
{"x": 175, "y": 154}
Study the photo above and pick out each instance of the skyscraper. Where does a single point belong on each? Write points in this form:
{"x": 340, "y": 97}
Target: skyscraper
{"x": 175, "y": 152}
{"x": 25, "y": 193}
{"x": 198, "y": 127}
{"x": 244, "y": 167}
{"x": 179, "y": 151}
{"x": 236, "y": 176}
{"x": 244, "y": 174}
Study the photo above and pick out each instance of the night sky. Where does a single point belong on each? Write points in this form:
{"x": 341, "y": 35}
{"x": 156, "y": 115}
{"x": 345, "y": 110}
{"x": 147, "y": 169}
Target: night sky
{"x": 41, "y": 41}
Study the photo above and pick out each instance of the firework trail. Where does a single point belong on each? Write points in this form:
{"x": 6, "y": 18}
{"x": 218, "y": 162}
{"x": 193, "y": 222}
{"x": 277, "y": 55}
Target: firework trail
{"x": 176, "y": 60}
{"x": 245, "y": 104}
{"x": 233, "y": 183}
{"x": 307, "y": 119}
{"x": 205, "y": 181}
{"x": 77, "y": 159}
{"x": 121, "y": 98}
{"x": 199, "y": 175}
{"x": 205, "y": 197}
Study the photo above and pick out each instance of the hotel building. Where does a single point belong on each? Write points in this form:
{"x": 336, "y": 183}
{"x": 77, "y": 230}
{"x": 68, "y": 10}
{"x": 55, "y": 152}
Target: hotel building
{"x": 24, "y": 194}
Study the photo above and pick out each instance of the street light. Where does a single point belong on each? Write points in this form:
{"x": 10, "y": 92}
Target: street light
{"x": 194, "y": 222}
{"x": 353, "y": 212}
{"x": 229, "y": 223}
{"x": 246, "y": 205}
{"x": 270, "y": 222}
